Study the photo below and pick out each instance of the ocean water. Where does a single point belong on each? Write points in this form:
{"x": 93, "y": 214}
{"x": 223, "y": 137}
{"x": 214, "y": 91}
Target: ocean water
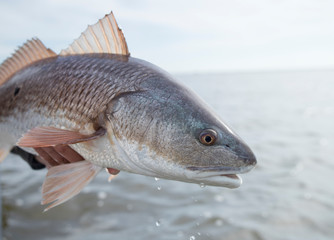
{"x": 285, "y": 117}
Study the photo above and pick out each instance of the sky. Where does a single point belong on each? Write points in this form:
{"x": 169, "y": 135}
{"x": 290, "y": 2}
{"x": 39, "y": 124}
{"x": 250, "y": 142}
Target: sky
{"x": 187, "y": 36}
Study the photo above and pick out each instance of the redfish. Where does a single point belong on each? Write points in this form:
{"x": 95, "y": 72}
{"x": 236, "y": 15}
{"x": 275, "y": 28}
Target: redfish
{"x": 93, "y": 106}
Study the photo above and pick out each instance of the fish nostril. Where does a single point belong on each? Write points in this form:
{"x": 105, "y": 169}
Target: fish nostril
{"x": 228, "y": 146}
{"x": 16, "y": 91}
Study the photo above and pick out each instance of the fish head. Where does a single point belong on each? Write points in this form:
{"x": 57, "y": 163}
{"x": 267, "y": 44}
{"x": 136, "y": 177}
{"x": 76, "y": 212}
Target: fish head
{"x": 166, "y": 131}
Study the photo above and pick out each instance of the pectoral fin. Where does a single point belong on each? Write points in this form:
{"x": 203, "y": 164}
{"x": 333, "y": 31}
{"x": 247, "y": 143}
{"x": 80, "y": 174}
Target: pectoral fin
{"x": 50, "y": 136}
{"x": 68, "y": 171}
{"x": 65, "y": 181}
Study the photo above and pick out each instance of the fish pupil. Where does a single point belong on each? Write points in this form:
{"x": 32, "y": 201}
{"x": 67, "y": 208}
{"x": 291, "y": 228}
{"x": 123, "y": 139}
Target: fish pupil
{"x": 208, "y": 139}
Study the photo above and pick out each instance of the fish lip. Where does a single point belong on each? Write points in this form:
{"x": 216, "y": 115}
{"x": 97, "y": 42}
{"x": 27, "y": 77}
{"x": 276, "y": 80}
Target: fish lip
{"x": 233, "y": 176}
{"x": 211, "y": 171}
{"x": 230, "y": 180}
{"x": 218, "y": 175}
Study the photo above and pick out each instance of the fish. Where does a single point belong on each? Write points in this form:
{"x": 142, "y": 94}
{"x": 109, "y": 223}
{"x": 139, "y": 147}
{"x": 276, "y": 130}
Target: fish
{"x": 94, "y": 107}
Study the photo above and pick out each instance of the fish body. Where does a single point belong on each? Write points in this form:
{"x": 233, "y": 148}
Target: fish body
{"x": 117, "y": 112}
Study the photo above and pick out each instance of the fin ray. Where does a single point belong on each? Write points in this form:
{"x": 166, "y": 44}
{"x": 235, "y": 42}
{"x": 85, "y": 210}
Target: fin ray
{"x": 103, "y": 37}
{"x": 49, "y": 136}
{"x": 32, "y": 51}
{"x": 3, "y": 154}
{"x": 73, "y": 178}
{"x": 58, "y": 186}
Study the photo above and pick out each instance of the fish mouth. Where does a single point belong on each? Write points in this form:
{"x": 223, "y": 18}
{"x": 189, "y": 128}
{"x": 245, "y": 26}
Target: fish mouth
{"x": 233, "y": 176}
{"x": 218, "y": 176}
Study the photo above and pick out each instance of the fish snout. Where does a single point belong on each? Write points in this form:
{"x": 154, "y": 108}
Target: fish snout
{"x": 246, "y": 155}
{"x": 249, "y": 159}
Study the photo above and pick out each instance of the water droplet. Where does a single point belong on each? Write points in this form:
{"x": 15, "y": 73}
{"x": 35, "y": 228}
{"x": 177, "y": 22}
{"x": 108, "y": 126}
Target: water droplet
{"x": 102, "y": 195}
{"x": 195, "y": 200}
{"x": 158, "y": 223}
{"x": 156, "y": 179}
{"x": 192, "y": 238}
{"x": 207, "y": 214}
{"x": 219, "y": 198}
{"x": 202, "y": 185}
{"x": 219, "y": 222}
{"x": 159, "y": 188}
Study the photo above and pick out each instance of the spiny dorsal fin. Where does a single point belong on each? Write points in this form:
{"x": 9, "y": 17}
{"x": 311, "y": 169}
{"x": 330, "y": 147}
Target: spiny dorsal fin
{"x": 103, "y": 37}
{"x": 32, "y": 51}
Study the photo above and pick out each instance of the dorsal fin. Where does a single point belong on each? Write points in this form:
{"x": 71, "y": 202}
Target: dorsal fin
{"x": 32, "y": 51}
{"x": 103, "y": 37}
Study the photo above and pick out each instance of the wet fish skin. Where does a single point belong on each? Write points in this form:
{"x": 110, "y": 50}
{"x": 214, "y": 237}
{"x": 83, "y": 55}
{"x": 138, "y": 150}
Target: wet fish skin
{"x": 76, "y": 91}
{"x": 72, "y": 85}
{"x": 173, "y": 118}
{"x": 93, "y": 107}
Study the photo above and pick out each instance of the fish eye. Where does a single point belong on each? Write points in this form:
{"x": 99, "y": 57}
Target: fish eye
{"x": 208, "y": 137}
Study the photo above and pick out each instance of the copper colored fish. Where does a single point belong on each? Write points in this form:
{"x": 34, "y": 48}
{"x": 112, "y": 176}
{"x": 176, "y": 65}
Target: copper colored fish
{"x": 93, "y": 106}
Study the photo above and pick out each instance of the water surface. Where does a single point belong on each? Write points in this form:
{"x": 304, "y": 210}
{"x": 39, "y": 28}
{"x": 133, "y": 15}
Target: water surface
{"x": 286, "y": 118}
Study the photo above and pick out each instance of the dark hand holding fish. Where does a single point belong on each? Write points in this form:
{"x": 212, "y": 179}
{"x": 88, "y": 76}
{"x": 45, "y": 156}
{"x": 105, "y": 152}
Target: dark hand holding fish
{"x": 93, "y": 107}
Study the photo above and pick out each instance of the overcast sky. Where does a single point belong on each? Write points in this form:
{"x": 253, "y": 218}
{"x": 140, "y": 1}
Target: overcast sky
{"x": 187, "y": 35}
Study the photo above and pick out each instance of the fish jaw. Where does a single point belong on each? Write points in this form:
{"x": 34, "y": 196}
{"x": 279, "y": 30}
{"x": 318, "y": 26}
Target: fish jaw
{"x": 140, "y": 159}
{"x": 224, "y": 176}
{"x": 157, "y": 133}
{"x": 217, "y": 176}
